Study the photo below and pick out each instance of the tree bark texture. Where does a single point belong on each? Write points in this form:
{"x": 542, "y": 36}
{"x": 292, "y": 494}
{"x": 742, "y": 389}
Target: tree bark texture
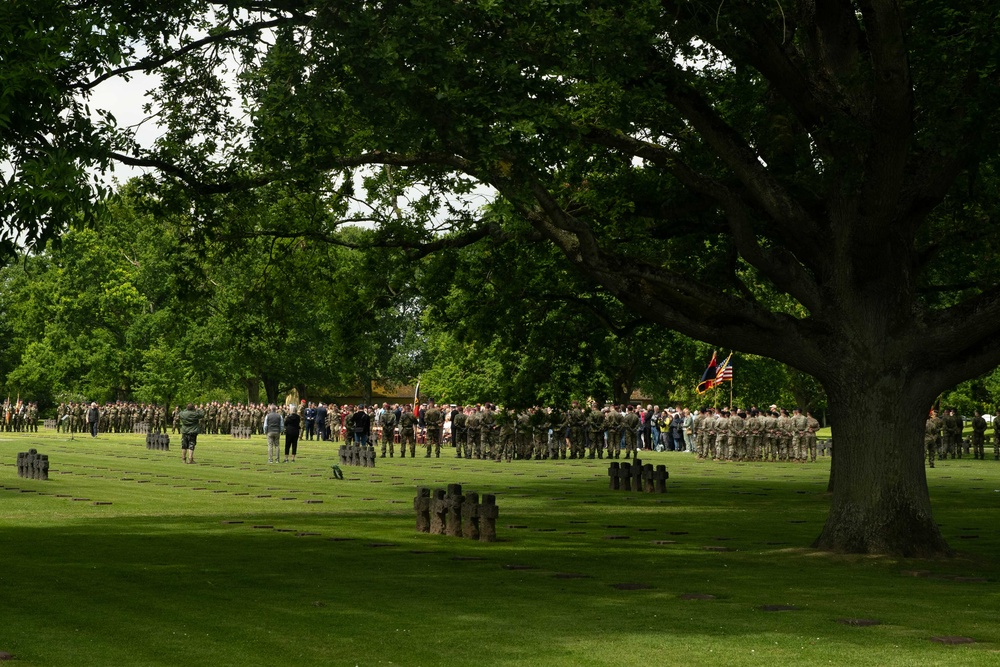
{"x": 880, "y": 502}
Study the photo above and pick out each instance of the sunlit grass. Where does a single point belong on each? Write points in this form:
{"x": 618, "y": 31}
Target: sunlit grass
{"x": 163, "y": 576}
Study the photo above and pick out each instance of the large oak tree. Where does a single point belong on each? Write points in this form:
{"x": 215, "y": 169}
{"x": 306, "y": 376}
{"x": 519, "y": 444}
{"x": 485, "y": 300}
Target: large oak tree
{"x": 809, "y": 180}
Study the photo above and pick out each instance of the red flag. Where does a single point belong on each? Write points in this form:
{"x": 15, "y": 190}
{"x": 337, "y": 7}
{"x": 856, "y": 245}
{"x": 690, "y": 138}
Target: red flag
{"x": 708, "y": 378}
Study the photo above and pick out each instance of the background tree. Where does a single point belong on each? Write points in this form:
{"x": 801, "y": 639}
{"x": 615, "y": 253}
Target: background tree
{"x": 790, "y": 181}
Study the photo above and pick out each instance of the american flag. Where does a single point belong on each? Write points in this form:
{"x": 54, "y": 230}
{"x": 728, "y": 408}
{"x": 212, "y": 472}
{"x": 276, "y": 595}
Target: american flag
{"x": 725, "y": 372}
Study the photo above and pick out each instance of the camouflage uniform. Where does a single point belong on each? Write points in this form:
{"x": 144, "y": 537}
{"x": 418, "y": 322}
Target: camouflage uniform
{"x": 615, "y": 423}
{"x": 473, "y": 433}
{"x": 632, "y": 425}
{"x": 932, "y": 437}
{"x": 433, "y": 420}
{"x": 387, "y": 420}
{"x": 595, "y": 426}
{"x": 978, "y": 436}
{"x": 459, "y": 432}
{"x": 407, "y": 422}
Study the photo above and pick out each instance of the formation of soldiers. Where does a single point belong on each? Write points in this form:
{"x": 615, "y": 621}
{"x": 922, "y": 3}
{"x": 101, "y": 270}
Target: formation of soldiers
{"x": 117, "y": 417}
{"x": 19, "y": 417}
{"x": 943, "y": 436}
{"x": 754, "y": 435}
{"x": 488, "y": 432}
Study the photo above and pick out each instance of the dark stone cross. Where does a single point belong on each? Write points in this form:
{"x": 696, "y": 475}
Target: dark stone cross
{"x": 454, "y": 501}
{"x": 439, "y": 512}
{"x": 625, "y": 475}
{"x": 470, "y": 516}
{"x": 422, "y": 506}
{"x": 488, "y": 513}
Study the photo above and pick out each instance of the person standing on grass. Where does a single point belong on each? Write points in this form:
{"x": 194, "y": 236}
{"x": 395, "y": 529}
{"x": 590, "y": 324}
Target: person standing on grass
{"x": 292, "y": 425}
{"x": 190, "y": 426}
{"x": 93, "y": 416}
{"x": 273, "y": 424}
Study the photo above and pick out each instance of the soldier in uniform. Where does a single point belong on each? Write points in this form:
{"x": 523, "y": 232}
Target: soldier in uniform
{"x": 538, "y": 422}
{"x": 557, "y": 445}
{"x": 473, "y": 433}
{"x": 406, "y": 432}
{"x": 487, "y": 431}
{"x": 434, "y": 421}
{"x": 701, "y": 432}
{"x": 932, "y": 436}
{"x": 575, "y": 421}
{"x": 952, "y": 425}
{"x": 595, "y": 427}
{"x": 784, "y": 433}
{"x": 506, "y": 420}
{"x": 632, "y": 425}
{"x": 387, "y": 420}
{"x": 722, "y": 452}
{"x": 615, "y": 423}
{"x": 978, "y": 436}
{"x": 996, "y": 436}
{"x": 812, "y": 426}
{"x": 459, "y": 432}
{"x": 800, "y": 426}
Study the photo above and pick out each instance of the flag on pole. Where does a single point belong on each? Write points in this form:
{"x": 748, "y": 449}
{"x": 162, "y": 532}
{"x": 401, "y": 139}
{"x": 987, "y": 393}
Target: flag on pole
{"x": 725, "y": 371}
{"x": 708, "y": 377}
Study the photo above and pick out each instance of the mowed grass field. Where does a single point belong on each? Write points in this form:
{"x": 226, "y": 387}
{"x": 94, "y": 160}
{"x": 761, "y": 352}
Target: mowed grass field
{"x": 126, "y": 556}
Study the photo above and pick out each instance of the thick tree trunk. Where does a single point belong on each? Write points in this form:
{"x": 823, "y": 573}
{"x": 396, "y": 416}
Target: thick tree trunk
{"x": 271, "y": 389}
{"x": 880, "y": 502}
{"x": 253, "y": 390}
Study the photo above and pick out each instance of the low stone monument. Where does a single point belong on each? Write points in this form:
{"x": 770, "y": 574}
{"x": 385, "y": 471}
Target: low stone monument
{"x": 637, "y": 477}
{"x": 439, "y": 511}
{"x": 422, "y": 506}
{"x": 32, "y": 465}
{"x": 470, "y": 516}
{"x": 158, "y": 441}
{"x": 453, "y": 520}
{"x": 488, "y": 513}
{"x": 455, "y": 513}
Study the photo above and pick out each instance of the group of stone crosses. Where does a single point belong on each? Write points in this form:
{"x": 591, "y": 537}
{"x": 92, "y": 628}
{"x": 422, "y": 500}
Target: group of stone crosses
{"x": 357, "y": 455}
{"x": 456, "y": 514}
{"x": 637, "y": 477}
{"x": 158, "y": 441}
{"x": 32, "y": 465}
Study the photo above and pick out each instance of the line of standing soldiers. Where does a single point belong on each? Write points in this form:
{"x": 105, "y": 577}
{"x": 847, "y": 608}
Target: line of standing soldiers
{"x": 504, "y": 434}
{"x": 943, "y": 436}
{"x": 19, "y": 417}
{"x": 755, "y": 436}
{"x": 118, "y": 417}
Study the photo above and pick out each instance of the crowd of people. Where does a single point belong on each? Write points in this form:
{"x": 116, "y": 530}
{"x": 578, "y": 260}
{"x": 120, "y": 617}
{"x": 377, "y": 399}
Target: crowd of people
{"x": 487, "y": 431}
{"x": 19, "y": 416}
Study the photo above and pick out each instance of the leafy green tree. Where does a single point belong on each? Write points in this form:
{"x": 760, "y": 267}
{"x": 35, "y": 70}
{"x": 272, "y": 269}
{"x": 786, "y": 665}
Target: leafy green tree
{"x": 798, "y": 181}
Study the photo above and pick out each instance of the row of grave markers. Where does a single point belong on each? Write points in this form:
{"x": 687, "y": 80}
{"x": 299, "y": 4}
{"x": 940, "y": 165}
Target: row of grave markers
{"x": 456, "y": 514}
{"x": 357, "y": 455}
{"x": 158, "y": 441}
{"x": 32, "y": 465}
{"x": 637, "y": 477}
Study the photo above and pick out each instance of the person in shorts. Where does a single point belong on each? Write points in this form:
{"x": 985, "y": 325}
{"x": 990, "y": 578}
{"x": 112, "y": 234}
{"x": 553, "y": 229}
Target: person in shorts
{"x": 190, "y": 426}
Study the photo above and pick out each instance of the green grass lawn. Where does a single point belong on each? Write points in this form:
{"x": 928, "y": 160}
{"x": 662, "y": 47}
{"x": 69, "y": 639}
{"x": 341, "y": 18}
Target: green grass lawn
{"x": 226, "y": 563}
